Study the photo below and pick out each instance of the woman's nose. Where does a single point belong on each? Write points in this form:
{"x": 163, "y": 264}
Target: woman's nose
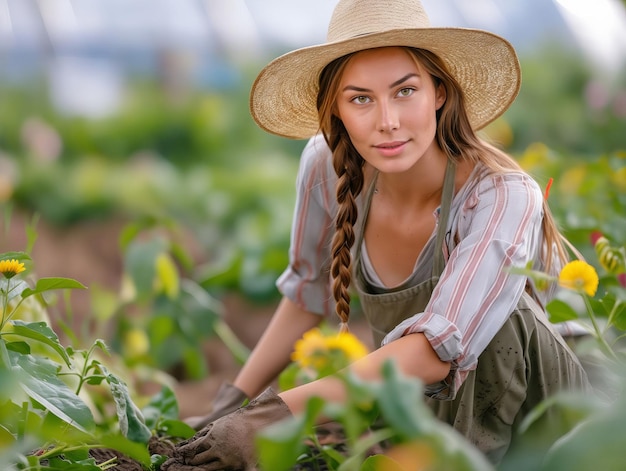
{"x": 388, "y": 117}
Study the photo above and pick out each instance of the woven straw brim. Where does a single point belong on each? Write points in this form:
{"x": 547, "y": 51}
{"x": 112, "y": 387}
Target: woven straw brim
{"x": 284, "y": 95}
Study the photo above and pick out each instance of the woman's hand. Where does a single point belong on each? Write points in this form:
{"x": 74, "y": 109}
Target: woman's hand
{"x": 228, "y": 399}
{"x": 228, "y": 443}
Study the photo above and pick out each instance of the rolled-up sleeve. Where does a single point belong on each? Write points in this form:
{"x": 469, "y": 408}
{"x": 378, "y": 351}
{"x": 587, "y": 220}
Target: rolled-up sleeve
{"x": 306, "y": 279}
{"x": 497, "y": 225}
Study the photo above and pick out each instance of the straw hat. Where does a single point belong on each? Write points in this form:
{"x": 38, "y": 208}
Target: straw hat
{"x": 283, "y": 96}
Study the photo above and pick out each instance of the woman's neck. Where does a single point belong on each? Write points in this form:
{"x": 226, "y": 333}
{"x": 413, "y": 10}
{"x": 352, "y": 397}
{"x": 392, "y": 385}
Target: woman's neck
{"x": 421, "y": 185}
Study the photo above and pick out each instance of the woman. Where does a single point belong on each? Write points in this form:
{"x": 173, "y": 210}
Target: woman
{"x": 426, "y": 218}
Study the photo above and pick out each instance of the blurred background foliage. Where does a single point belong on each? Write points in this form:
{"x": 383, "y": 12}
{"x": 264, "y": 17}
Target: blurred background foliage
{"x": 192, "y": 178}
{"x": 203, "y": 161}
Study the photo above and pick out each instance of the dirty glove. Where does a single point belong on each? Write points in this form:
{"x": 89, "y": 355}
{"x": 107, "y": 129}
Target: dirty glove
{"x": 228, "y": 443}
{"x": 228, "y": 399}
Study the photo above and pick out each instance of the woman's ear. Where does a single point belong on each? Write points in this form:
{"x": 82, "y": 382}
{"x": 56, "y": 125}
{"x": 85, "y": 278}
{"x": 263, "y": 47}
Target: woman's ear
{"x": 440, "y": 95}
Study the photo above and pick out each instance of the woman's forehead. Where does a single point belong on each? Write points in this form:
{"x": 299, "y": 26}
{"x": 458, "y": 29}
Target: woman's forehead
{"x": 388, "y": 60}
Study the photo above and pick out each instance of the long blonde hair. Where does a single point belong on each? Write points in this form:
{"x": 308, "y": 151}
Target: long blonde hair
{"x": 455, "y": 137}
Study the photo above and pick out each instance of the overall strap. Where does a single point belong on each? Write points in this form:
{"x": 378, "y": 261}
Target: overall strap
{"x": 447, "y": 196}
{"x": 360, "y": 227}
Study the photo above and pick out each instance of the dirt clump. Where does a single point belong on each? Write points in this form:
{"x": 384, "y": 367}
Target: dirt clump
{"x": 156, "y": 446}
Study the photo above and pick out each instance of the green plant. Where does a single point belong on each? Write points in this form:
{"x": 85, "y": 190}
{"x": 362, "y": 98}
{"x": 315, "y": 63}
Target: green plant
{"x": 54, "y": 399}
{"x": 589, "y": 298}
{"x": 588, "y": 194}
{"x": 162, "y": 316}
{"x": 380, "y": 424}
{"x": 590, "y": 423}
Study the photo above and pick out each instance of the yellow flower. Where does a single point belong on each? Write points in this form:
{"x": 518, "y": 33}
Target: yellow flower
{"x": 572, "y": 179}
{"x": 579, "y": 276}
{"x": 136, "y": 343}
{"x": 327, "y": 352}
{"x": 10, "y": 268}
{"x": 348, "y": 344}
{"x": 310, "y": 349}
{"x": 534, "y": 156}
{"x": 618, "y": 177}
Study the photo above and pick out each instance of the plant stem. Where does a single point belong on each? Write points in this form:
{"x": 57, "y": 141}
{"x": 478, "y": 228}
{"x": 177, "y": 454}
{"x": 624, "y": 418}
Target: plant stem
{"x": 7, "y": 318}
{"x": 599, "y": 334}
{"x": 64, "y": 448}
{"x": 4, "y": 354}
{"x": 611, "y": 315}
{"x": 5, "y": 305}
{"x": 83, "y": 376}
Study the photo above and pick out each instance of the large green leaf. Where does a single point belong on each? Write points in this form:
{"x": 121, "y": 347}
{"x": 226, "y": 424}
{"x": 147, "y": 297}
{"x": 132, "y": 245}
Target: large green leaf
{"x": 49, "y": 284}
{"x": 136, "y": 451}
{"x": 401, "y": 402}
{"x": 569, "y": 407}
{"x": 402, "y": 405}
{"x": 131, "y": 422}
{"x": 19, "y": 256}
{"x": 6, "y": 437}
{"x": 41, "y": 332}
{"x": 619, "y": 319}
{"x": 560, "y": 311}
{"x": 365, "y": 443}
{"x": 140, "y": 263}
{"x": 162, "y": 414}
{"x": 40, "y": 382}
{"x": 597, "y": 443}
{"x": 281, "y": 443}
{"x": 614, "y": 304}
{"x": 456, "y": 452}
{"x": 162, "y": 405}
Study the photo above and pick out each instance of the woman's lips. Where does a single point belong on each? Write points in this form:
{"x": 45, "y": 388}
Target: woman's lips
{"x": 390, "y": 149}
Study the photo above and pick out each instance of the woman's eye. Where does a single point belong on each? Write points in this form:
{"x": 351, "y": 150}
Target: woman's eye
{"x": 405, "y": 92}
{"x": 359, "y": 100}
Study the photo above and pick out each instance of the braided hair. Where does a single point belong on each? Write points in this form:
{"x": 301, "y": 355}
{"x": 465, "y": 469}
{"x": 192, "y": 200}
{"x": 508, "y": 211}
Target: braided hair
{"x": 348, "y": 165}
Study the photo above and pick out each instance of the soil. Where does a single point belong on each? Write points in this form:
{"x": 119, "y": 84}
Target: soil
{"x": 124, "y": 463}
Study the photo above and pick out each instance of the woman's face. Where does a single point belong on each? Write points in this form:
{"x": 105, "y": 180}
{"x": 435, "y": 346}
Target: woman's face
{"x": 388, "y": 104}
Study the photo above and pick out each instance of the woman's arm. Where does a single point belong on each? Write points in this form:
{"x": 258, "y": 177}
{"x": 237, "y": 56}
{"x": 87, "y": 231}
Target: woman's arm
{"x": 273, "y": 351}
{"x": 413, "y": 355}
{"x": 304, "y": 283}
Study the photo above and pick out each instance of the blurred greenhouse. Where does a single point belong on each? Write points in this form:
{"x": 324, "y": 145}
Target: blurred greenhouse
{"x": 125, "y": 133}
{"x": 130, "y": 163}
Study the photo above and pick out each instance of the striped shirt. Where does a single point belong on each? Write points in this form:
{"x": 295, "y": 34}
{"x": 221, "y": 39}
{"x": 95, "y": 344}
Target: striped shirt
{"x": 495, "y": 222}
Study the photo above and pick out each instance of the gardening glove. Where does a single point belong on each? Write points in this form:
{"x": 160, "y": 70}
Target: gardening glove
{"x": 228, "y": 443}
{"x": 228, "y": 399}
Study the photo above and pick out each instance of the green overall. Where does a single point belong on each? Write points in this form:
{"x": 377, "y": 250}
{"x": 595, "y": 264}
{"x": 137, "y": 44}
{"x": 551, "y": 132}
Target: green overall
{"x": 525, "y": 362}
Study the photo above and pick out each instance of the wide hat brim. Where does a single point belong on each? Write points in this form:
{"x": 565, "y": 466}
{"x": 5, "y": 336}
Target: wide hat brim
{"x": 284, "y": 95}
